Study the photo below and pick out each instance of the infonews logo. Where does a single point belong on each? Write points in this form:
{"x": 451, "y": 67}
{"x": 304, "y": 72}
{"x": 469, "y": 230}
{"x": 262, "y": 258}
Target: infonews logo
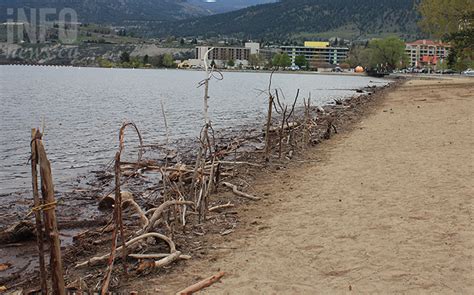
{"x": 47, "y": 26}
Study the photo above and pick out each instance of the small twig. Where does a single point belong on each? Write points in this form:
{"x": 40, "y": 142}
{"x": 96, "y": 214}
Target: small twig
{"x": 219, "y": 207}
{"x": 239, "y": 193}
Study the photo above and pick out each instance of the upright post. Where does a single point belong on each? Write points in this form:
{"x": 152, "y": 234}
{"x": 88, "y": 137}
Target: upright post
{"x": 49, "y": 215}
{"x": 38, "y": 219}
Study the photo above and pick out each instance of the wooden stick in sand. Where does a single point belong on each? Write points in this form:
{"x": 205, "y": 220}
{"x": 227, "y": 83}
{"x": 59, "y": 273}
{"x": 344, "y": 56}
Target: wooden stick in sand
{"x": 202, "y": 284}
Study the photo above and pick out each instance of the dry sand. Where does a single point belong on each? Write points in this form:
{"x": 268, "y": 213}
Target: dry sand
{"x": 386, "y": 208}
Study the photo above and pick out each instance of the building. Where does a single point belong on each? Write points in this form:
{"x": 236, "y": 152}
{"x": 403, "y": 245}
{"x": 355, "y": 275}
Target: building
{"x": 426, "y": 53}
{"x": 318, "y": 54}
{"x": 222, "y": 55}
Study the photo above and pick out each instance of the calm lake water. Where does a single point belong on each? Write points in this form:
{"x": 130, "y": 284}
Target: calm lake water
{"x": 83, "y": 108}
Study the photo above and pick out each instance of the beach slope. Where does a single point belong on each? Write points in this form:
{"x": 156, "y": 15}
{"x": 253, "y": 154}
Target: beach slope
{"x": 386, "y": 208}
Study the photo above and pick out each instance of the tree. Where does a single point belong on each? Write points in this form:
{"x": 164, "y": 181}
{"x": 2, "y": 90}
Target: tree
{"x": 444, "y": 17}
{"x": 461, "y": 55}
{"x": 125, "y": 57}
{"x": 231, "y": 63}
{"x": 156, "y": 61}
{"x": 168, "y": 60}
{"x": 256, "y": 60}
{"x": 388, "y": 52}
{"x": 146, "y": 59}
{"x": 281, "y": 60}
{"x": 452, "y": 20}
{"x": 301, "y": 61}
{"x": 361, "y": 56}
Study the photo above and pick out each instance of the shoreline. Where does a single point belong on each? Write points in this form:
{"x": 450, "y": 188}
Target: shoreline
{"x": 356, "y": 213}
{"x": 90, "y": 197}
{"x": 332, "y": 91}
{"x": 346, "y": 73}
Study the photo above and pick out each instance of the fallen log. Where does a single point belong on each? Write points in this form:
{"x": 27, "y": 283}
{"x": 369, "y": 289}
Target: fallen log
{"x": 108, "y": 201}
{"x": 202, "y": 284}
{"x": 22, "y": 231}
{"x": 239, "y": 193}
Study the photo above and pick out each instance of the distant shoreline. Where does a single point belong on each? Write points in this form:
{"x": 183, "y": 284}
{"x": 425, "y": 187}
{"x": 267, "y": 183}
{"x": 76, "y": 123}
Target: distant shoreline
{"x": 202, "y": 70}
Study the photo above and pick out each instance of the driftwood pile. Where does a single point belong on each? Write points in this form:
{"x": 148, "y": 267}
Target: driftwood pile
{"x": 182, "y": 195}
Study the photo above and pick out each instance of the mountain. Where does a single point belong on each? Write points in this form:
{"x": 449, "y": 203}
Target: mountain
{"x": 221, "y": 6}
{"x": 112, "y": 11}
{"x": 289, "y": 19}
{"x": 123, "y": 11}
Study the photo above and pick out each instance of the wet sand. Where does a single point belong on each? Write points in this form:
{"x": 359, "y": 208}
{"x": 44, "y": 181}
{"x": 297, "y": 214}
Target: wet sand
{"x": 385, "y": 208}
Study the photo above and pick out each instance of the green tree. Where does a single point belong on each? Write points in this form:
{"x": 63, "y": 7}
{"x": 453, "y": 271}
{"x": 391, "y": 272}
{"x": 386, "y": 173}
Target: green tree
{"x": 452, "y": 20}
{"x": 281, "y": 60}
{"x": 156, "y": 61}
{"x": 125, "y": 57}
{"x": 388, "y": 52}
{"x": 168, "y": 60}
{"x": 257, "y": 60}
{"x": 146, "y": 59}
{"x": 104, "y": 63}
{"x": 461, "y": 55}
{"x": 301, "y": 61}
{"x": 231, "y": 63}
{"x": 444, "y": 17}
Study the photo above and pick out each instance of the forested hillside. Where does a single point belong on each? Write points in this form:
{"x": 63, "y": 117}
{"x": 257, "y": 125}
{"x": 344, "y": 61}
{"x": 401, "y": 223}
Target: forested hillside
{"x": 124, "y": 11}
{"x": 290, "y": 18}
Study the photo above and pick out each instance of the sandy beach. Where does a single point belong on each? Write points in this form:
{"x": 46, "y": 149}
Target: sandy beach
{"x": 384, "y": 208}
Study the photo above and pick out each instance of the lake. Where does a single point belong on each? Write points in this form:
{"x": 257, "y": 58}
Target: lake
{"x": 83, "y": 108}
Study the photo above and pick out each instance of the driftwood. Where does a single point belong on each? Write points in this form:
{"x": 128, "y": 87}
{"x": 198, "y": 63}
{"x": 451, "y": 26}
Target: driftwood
{"x": 219, "y": 207}
{"x": 269, "y": 119}
{"x": 239, "y": 163}
{"x": 202, "y": 284}
{"x": 99, "y": 259}
{"x": 49, "y": 216}
{"x": 118, "y": 220}
{"x": 108, "y": 201}
{"x": 287, "y": 126}
{"x": 38, "y": 218}
{"x": 143, "y": 219}
{"x": 236, "y": 191}
{"x": 22, "y": 231}
{"x": 155, "y": 256}
{"x": 159, "y": 211}
{"x": 168, "y": 259}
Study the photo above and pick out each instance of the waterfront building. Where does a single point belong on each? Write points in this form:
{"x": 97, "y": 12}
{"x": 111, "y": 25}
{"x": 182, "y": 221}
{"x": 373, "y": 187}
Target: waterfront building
{"x": 222, "y": 55}
{"x": 318, "y": 54}
{"x": 426, "y": 53}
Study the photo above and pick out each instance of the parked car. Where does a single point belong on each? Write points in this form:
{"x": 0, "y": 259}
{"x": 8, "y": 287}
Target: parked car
{"x": 449, "y": 72}
{"x": 295, "y": 68}
{"x": 469, "y": 72}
